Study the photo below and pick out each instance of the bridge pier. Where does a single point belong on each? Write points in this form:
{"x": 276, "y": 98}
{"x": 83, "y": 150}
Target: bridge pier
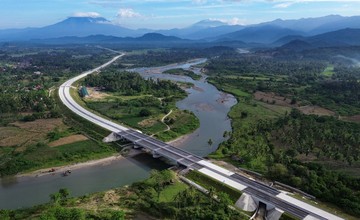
{"x": 246, "y": 203}
{"x": 274, "y": 214}
{"x": 135, "y": 146}
{"x": 155, "y": 155}
{"x": 111, "y": 138}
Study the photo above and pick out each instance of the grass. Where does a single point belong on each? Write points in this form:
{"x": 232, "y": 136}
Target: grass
{"x": 169, "y": 193}
{"x": 41, "y": 156}
{"x": 127, "y": 111}
{"x": 183, "y": 122}
{"x": 255, "y": 111}
{"x": 329, "y": 71}
{"x": 287, "y": 216}
{"x": 230, "y": 89}
{"x": 182, "y": 72}
{"x": 207, "y": 182}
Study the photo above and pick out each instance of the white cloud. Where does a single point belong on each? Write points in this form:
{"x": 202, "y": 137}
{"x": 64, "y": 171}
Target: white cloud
{"x": 199, "y": 2}
{"x": 284, "y": 5}
{"x": 231, "y": 21}
{"x": 236, "y": 21}
{"x": 86, "y": 14}
{"x": 127, "y": 13}
{"x": 288, "y": 3}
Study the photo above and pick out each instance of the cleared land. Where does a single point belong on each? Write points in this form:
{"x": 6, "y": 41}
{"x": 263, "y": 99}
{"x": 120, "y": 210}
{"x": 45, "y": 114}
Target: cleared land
{"x": 26, "y": 133}
{"x": 68, "y": 140}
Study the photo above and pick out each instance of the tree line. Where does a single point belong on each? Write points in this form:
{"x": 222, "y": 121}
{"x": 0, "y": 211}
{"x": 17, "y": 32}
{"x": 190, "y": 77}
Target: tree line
{"x": 132, "y": 83}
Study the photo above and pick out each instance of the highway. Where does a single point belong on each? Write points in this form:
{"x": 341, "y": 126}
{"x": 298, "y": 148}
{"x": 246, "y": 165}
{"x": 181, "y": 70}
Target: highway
{"x": 262, "y": 192}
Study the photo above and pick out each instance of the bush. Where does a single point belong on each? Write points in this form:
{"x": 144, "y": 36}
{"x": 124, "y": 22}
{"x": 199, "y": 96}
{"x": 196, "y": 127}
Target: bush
{"x": 145, "y": 112}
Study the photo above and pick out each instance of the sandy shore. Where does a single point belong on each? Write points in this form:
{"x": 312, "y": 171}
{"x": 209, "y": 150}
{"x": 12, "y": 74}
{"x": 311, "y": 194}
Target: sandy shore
{"x": 103, "y": 161}
{"x": 62, "y": 169}
{"x": 178, "y": 141}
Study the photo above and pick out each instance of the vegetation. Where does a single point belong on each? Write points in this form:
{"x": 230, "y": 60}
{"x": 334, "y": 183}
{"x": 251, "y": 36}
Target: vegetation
{"x": 41, "y": 156}
{"x": 161, "y": 196}
{"x": 141, "y": 103}
{"x": 301, "y": 80}
{"x": 183, "y": 72}
{"x": 180, "y": 123}
{"x": 301, "y": 150}
{"x": 175, "y": 55}
{"x": 208, "y": 182}
{"x": 28, "y": 78}
{"x": 126, "y": 83}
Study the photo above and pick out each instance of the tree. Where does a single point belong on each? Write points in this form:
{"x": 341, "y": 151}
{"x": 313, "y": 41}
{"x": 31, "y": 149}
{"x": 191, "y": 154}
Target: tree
{"x": 55, "y": 198}
{"x": 118, "y": 215}
{"x": 210, "y": 142}
{"x": 145, "y": 112}
{"x": 161, "y": 179}
{"x": 64, "y": 193}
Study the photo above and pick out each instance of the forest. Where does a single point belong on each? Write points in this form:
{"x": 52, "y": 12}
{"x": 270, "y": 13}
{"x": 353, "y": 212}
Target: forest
{"x": 29, "y": 75}
{"x": 127, "y": 83}
{"x": 314, "y": 153}
{"x": 302, "y": 80}
{"x": 173, "y": 55}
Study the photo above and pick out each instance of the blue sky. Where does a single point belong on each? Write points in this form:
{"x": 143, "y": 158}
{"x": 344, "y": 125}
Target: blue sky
{"x": 158, "y": 14}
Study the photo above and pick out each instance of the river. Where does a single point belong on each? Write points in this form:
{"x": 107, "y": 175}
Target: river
{"x": 208, "y": 104}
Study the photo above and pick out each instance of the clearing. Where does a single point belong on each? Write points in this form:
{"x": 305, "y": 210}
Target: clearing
{"x": 68, "y": 140}
{"x": 26, "y": 133}
{"x": 276, "y": 100}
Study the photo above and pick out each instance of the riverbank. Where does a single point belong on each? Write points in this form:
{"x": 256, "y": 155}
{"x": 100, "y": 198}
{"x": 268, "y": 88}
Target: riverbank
{"x": 62, "y": 169}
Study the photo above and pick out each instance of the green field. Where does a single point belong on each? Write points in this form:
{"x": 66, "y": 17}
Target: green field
{"x": 169, "y": 193}
{"x": 180, "y": 123}
{"x": 40, "y": 156}
{"x": 208, "y": 182}
{"x": 329, "y": 71}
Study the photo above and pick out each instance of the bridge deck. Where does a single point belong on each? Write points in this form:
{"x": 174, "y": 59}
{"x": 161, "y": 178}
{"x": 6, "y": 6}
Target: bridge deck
{"x": 158, "y": 147}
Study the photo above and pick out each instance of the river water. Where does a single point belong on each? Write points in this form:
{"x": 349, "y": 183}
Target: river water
{"x": 208, "y": 104}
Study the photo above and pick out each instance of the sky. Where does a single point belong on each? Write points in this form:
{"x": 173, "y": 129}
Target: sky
{"x": 165, "y": 14}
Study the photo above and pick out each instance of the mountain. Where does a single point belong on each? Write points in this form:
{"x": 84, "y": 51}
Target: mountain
{"x": 208, "y": 23}
{"x": 348, "y": 36}
{"x": 305, "y": 25}
{"x": 314, "y": 26}
{"x": 284, "y": 31}
{"x": 259, "y": 34}
{"x": 158, "y": 37}
{"x": 147, "y": 39}
{"x": 342, "y": 23}
{"x": 213, "y": 31}
{"x": 72, "y": 26}
{"x": 202, "y": 29}
{"x": 344, "y": 37}
{"x": 297, "y": 45}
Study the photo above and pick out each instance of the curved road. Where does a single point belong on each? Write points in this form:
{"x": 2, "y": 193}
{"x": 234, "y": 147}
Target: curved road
{"x": 254, "y": 188}
{"x": 64, "y": 94}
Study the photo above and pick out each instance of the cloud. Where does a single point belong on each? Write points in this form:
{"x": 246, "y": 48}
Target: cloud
{"x": 199, "y": 2}
{"x": 86, "y": 14}
{"x": 231, "y": 21}
{"x": 284, "y": 5}
{"x": 127, "y": 13}
{"x": 236, "y": 21}
{"x": 288, "y": 3}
